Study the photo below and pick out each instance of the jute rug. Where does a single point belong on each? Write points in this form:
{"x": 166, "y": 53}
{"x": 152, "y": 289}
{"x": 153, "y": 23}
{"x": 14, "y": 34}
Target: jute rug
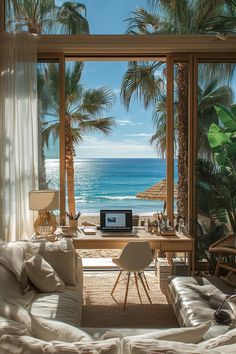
{"x": 102, "y": 310}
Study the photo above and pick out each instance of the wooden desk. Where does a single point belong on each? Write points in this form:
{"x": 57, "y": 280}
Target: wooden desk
{"x": 178, "y": 243}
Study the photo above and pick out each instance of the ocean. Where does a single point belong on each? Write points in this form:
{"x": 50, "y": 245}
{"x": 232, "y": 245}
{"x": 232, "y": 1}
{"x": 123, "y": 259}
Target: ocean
{"x": 112, "y": 183}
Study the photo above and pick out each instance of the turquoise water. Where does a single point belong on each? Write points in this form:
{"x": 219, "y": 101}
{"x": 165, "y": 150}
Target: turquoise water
{"x": 112, "y": 183}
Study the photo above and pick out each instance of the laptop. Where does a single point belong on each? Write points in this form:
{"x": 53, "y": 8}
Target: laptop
{"x": 116, "y": 223}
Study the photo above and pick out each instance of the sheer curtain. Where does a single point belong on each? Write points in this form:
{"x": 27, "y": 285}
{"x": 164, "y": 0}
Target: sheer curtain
{"x": 18, "y": 133}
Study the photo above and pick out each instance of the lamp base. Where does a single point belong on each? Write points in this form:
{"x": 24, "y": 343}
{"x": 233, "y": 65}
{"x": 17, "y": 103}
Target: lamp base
{"x": 45, "y": 218}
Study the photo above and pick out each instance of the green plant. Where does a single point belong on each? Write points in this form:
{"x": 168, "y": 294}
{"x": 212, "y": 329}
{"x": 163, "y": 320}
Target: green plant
{"x": 217, "y": 178}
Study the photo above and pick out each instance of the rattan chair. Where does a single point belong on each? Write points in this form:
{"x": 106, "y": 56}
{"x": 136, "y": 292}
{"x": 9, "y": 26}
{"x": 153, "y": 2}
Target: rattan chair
{"x": 222, "y": 248}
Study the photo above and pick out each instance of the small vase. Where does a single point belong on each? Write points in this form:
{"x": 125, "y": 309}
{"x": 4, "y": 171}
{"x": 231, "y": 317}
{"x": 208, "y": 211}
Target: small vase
{"x": 73, "y": 224}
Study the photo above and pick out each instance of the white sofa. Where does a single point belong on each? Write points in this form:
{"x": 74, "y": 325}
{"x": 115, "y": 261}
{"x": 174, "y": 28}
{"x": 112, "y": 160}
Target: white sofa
{"x": 49, "y": 322}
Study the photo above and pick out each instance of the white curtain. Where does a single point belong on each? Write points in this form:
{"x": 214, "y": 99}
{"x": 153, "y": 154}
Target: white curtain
{"x": 18, "y": 133}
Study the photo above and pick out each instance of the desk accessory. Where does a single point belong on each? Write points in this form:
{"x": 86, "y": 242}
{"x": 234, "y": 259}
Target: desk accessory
{"x": 44, "y": 201}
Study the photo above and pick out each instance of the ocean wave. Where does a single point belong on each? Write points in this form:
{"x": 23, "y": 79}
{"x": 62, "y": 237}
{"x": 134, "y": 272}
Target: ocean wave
{"x": 126, "y": 197}
{"x": 80, "y": 200}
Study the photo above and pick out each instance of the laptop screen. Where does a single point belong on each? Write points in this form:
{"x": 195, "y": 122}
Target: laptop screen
{"x": 116, "y": 220}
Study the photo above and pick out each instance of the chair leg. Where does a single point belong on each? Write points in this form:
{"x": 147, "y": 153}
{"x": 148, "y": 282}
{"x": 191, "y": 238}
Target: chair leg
{"x": 144, "y": 288}
{"x": 218, "y": 265}
{"x": 142, "y": 273}
{"x": 136, "y": 283}
{"x": 117, "y": 280}
{"x": 126, "y": 292}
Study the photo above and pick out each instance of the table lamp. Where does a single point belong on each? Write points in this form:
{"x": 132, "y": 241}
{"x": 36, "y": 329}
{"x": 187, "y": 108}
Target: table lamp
{"x": 44, "y": 201}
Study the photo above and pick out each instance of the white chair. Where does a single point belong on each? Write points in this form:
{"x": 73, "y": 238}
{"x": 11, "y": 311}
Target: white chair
{"x": 135, "y": 257}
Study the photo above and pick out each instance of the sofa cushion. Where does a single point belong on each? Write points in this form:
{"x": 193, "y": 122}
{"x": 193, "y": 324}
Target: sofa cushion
{"x": 9, "y": 282}
{"x": 186, "y": 335}
{"x": 28, "y": 345}
{"x": 43, "y": 276}
{"x": 147, "y": 346}
{"x": 196, "y": 299}
{"x": 60, "y": 255}
{"x": 66, "y": 306}
{"x": 224, "y": 339}
{"x": 12, "y": 327}
{"x": 12, "y": 257}
{"x": 48, "y": 330}
{"x": 14, "y": 311}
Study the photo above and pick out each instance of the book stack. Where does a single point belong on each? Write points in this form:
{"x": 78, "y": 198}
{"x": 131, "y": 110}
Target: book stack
{"x": 169, "y": 231}
{"x": 163, "y": 271}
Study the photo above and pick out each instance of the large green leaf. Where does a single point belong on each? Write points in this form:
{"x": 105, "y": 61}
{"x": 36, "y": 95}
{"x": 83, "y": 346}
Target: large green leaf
{"x": 227, "y": 117}
{"x": 216, "y": 137}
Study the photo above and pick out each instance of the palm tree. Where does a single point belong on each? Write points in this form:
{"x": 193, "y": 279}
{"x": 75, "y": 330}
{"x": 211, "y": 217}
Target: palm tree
{"x": 173, "y": 17}
{"x": 209, "y": 95}
{"x": 84, "y": 110}
{"x": 40, "y": 17}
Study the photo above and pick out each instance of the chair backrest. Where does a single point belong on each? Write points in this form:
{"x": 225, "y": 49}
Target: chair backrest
{"x": 136, "y": 256}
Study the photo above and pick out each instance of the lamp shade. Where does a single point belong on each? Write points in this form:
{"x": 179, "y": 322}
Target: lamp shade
{"x": 43, "y": 200}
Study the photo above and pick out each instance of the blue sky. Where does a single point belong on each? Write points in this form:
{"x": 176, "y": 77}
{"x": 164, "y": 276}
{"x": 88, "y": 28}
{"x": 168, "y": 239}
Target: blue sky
{"x": 130, "y": 138}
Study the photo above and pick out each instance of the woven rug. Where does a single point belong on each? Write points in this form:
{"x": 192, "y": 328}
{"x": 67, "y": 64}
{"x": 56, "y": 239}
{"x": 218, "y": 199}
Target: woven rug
{"x": 102, "y": 310}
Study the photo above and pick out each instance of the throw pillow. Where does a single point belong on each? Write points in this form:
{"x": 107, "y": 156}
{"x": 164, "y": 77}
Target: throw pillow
{"x": 43, "y": 276}
{"x": 61, "y": 255}
{"x": 12, "y": 257}
{"x": 223, "y": 339}
{"x": 11, "y": 343}
{"x": 48, "y": 330}
{"x": 185, "y": 334}
{"x": 12, "y": 327}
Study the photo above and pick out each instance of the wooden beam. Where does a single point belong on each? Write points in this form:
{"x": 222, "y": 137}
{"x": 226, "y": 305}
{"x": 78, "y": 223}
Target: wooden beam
{"x": 62, "y": 139}
{"x": 192, "y": 143}
{"x": 128, "y": 45}
{"x": 170, "y": 141}
{"x": 2, "y": 16}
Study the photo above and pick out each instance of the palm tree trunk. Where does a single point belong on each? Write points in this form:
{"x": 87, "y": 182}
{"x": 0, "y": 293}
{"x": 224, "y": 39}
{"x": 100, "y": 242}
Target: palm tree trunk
{"x": 70, "y": 153}
{"x": 182, "y": 110}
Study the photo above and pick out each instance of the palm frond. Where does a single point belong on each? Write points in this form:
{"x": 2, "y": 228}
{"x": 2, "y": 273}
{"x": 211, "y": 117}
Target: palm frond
{"x": 72, "y": 16}
{"x": 48, "y": 130}
{"x": 103, "y": 125}
{"x": 95, "y": 101}
{"x": 140, "y": 81}
{"x": 142, "y": 22}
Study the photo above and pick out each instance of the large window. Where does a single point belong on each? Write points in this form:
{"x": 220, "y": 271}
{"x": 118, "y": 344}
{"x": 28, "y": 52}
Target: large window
{"x": 118, "y": 147}
{"x": 54, "y": 17}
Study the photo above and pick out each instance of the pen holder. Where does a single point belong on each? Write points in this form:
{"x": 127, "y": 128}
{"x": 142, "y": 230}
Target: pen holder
{"x": 73, "y": 223}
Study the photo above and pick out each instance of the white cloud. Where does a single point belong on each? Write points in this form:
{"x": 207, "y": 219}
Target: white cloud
{"x": 144, "y": 135}
{"x": 123, "y": 122}
{"x": 94, "y": 147}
